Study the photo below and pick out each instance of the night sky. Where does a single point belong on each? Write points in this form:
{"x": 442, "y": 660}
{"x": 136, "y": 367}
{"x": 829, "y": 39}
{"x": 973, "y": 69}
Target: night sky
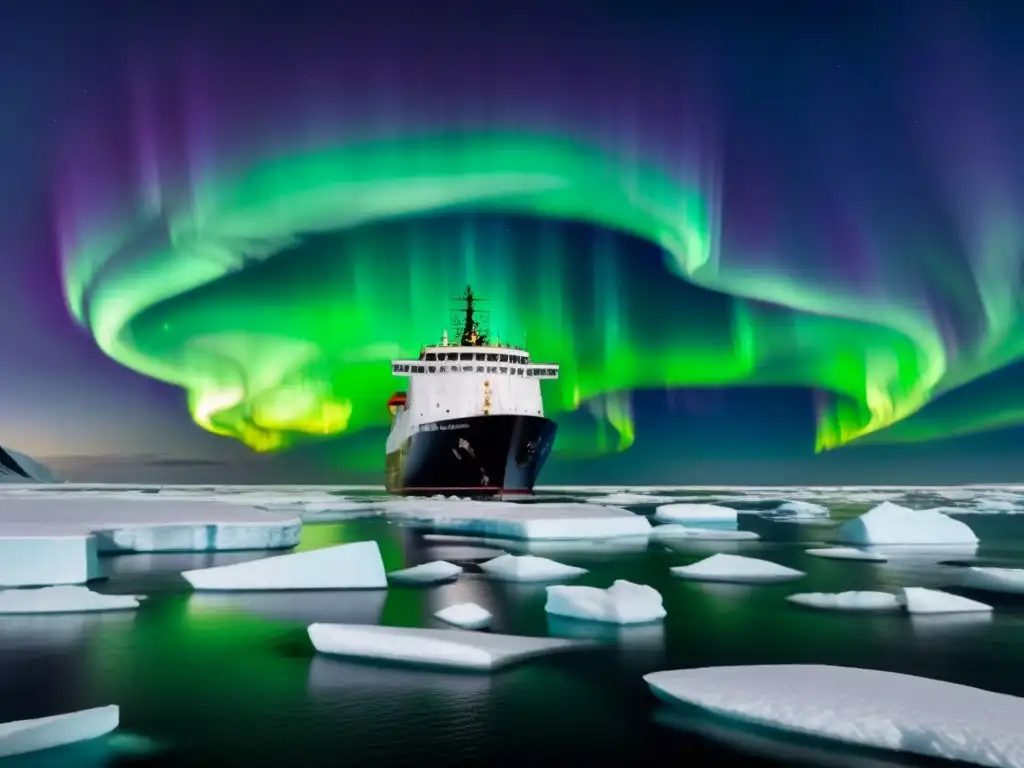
{"x": 768, "y": 243}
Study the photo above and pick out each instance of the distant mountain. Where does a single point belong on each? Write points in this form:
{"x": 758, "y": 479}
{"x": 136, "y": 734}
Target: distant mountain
{"x": 18, "y": 468}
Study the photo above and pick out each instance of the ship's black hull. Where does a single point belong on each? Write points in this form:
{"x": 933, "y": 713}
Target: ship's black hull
{"x": 477, "y": 456}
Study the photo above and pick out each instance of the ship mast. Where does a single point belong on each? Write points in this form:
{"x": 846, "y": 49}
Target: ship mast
{"x": 473, "y": 335}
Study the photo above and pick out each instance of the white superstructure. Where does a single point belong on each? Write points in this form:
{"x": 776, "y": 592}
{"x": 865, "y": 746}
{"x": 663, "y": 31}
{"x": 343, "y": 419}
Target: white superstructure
{"x": 453, "y": 382}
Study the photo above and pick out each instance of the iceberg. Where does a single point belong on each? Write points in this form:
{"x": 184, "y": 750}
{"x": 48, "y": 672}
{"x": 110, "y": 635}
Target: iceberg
{"x": 435, "y": 647}
{"x": 465, "y": 615}
{"x": 510, "y": 520}
{"x": 890, "y": 523}
{"x": 921, "y": 601}
{"x": 736, "y": 569}
{"x": 622, "y": 603}
{"x": 995, "y": 579}
{"x": 427, "y": 573}
{"x": 676, "y": 531}
{"x": 847, "y": 553}
{"x": 16, "y": 467}
{"x": 23, "y": 736}
{"x": 694, "y": 513}
{"x": 29, "y": 557}
{"x": 861, "y": 707}
{"x": 848, "y": 601}
{"x": 346, "y": 566}
{"x": 62, "y": 600}
{"x": 529, "y": 568}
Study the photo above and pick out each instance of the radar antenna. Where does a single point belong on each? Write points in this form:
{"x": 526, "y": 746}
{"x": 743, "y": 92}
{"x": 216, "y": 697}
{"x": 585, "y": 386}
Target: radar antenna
{"x": 472, "y": 332}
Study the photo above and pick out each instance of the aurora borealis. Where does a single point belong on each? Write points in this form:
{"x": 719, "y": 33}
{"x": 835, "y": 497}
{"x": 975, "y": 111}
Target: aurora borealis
{"x": 262, "y": 223}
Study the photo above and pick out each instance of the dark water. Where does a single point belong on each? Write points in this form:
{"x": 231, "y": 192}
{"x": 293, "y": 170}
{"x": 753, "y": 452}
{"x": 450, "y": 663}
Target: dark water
{"x": 231, "y": 679}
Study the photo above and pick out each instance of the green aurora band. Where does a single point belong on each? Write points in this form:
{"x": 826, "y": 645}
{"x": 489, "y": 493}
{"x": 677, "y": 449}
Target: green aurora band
{"x": 214, "y": 294}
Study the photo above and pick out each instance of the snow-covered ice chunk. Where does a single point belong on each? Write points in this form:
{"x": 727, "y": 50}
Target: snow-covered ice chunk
{"x": 890, "y": 523}
{"x": 694, "y": 513}
{"x": 510, "y": 520}
{"x": 626, "y": 498}
{"x": 148, "y": 523}
{"x": 676, "y": 531}
{"x": 995, "y": 579}
{"x": 622, "y": 603}
{"x": 848, "y": 601}
{"x": 920, "y": 600}
{"x": 465, "y": 615}
{"x": 847, "y": 553}
{"x": 529, "y": 568}
{"x": 346, "y": 566}
{"x": 23, "y": 736}
{"x": 65, "y": 599}
{"x": 28, "y": 559}
{"x": 798, "y": 510}
{"x": 736, "y": 569}
{"x": 439, "y": 647}
{"x": 861, "y": 707}
{"x": 427, "y": 573}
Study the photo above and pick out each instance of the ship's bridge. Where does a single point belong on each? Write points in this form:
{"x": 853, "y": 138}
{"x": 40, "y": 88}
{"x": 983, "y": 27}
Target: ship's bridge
{"x": 507, "y": 361}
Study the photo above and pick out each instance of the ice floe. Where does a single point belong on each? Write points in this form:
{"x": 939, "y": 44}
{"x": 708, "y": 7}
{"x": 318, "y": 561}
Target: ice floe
{"x": 677, "y": 531}
{"x": 465, "y": 615}
{"x": 631, "y": 499}
{"x": 346, "y": 566}
{"x": 64, "y": 599}
{"x": 622, "y": 603}
{"x": 441, "y": 647}
{"x": 860, "y": 707}
{"x": 29, "y": 557}
{"x": 801, "y": 510}
{"x": 694, "y": 513}
{"x": 427, "y": 573}
{"x": 529, "y": 568}
{"x": 847, "y": 553}
{"x": 736, "y": 569}
{"x": 1009, "y": 580}
{"x": 929, "y": 601}
{"x": 848, "y": 601}
{"x": 890, "y": 523}
{"x": 23, "y": 736}
{"x": 496, "y": 519}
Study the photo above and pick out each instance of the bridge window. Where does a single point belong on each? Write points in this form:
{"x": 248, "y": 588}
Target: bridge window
{"x": 466, "y": 356}
{"x": 529, "y": 371}
{"x": 492, "y": 369}
{"x": 430, "y": 356}
{"x": 431, "y": 369}
{"x": 480, "y": 357}
{"x": 519, "y": 371}
{"x": 479, "y": 369}
{"x": 503, "y": 369}
{"x": 443, "y": 369}
{"x": 503, "y": 358}
{"x": 492, "y": 358}
{"x": 453, "y": 356}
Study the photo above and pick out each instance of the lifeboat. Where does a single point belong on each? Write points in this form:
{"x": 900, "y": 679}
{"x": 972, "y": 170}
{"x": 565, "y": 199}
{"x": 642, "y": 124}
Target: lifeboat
{"x": 395, "y": 402}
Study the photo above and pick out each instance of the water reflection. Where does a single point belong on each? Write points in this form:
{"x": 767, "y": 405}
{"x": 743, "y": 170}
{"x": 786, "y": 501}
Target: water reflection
{"x": 58, "y": 630}
{"x": 349, "y": 606}
{"x": 332, "y": 676}
{"x": 939, "y": 625}
{"x": 641, "y": 637}
{"x": 723, "y": 590}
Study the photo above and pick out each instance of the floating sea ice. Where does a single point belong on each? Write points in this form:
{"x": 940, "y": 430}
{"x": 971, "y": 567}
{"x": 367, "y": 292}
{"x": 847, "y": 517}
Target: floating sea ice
{"x": 346, "y": 566}
{"x": 65, "y": 599}
{"x": 736, "y": 569}
{"x": 920, "y": 600}
{"x": 798, "y": 510}
{"x": 676, "y": 531}
{"x": 23, "y": 736}
{"x": 848, "y": 601}
{"x": 890, "y": 523}
{"x": 465, "y": 615}
{"x": 694, "y": 513}
{"x": 427, "y": 573}
{"x": 847, "y": 553}
{"x": 33, "y": 558}
{"x": 529, "y": 568}
{"x": 862, "y": 707}
{"x": 996, "y": 579}
{"x": 510, "y": 520}
{"x": 437, "y": 647}
{"x": 622, "y": 603}
{"x": 626, "y": 498}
